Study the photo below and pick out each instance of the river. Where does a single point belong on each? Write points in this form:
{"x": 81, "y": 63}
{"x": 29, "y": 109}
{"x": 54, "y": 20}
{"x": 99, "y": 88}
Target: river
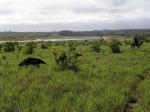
{"x": 61, "y": 39}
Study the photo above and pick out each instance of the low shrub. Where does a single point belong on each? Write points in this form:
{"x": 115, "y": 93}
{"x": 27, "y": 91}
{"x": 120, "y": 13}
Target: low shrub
{"x": 30, "y": 48}
{"x": 44, "y": 46}
{"x": 137, "y": 41}
{"x": 1, "y": 46}
{"x": 96, "y": 47}
{"x": 115, "y": 46}
{"x": 9, "y": 47}
{"x": 67, "y": 60}
{"x": 72, "y": 46}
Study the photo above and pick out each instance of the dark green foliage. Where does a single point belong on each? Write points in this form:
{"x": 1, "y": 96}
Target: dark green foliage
{"x": 62, "y": 60}
{"x": 44, "y": 45}
{"x": 143, "y": 38}
{"x": 72, "y": 46}
{"x": 30, "y": 48}
{"x": 1, "y": 46}
{"x": 115, "y": 46}
{"x": 9, "y": 47}
{"x": 4, "y": 57}
{"x": 137, "y": 41}
{"x": 49, "y": 43}
{"x": 19, "y": 48}
{"x": 67, "y": 60}
{"x": 96, "y": 47}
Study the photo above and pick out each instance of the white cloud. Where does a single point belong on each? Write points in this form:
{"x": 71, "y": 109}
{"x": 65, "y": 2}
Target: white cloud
{"x": 81, "y": 12}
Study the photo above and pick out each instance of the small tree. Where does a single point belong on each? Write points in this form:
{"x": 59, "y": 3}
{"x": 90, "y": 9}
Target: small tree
{"x": 115, "y": 46}
{"x": 19, "y": 48}
{"x": 96, "y": 47}
{"x": 9, "y": 47}
{"x": 30, "y": 48}
{"x": 67, "y": 60}
{"x": 44, "y": 45}
{"x": 137, "y": 41}
{"x": 1, "y": 46}
{"x": 71, "y": 46}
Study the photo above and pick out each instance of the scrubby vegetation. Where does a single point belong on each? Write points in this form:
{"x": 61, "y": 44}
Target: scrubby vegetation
{"x": 30, "y": 48}
{"x": 115, "y": 46}
{"x": 9, "y": 47}
{"x": 44, "y": 45}
{"x": 75, "y": 79}
{"x": 67, "y": 60}
{"x": 96, "y": 47}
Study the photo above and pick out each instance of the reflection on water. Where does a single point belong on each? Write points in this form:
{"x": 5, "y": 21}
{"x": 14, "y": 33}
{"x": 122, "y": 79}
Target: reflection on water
{"x": 62, "y": 39}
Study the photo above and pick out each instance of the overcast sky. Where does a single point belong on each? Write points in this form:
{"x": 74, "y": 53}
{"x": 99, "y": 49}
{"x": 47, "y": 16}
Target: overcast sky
{"x": 52, "y": 15}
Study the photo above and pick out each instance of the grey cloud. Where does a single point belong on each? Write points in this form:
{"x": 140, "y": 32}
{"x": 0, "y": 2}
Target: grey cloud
{"x": 6, "y": 12}
{"x": 74, "y": 14}
{"x": 91, "y": 9}
{"x": 115, "y": 6}
{"x": 129, "y": 24}
{"x": 120, "y": 2}
{"x": 95, "y": 10}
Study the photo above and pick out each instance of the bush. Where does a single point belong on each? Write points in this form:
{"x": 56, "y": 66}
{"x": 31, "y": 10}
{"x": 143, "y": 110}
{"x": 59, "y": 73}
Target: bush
{"x": 9, "y": 47}
{"x": 96, "y": 47}
{"x": 67, "y": 60}
{"x": 72, "y": 46}
{"x": 30, "y": 48}
{"x": 19, "y": 48}
{"x": 115, "y": 46}
{"x": 4, "y": 57}
{"x": 137, "y": 41}
{"x": 44, "y": 46}
{"x": 1, "y": 46}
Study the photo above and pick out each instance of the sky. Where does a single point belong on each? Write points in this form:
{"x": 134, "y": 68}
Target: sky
{"x": 56, "y": 15}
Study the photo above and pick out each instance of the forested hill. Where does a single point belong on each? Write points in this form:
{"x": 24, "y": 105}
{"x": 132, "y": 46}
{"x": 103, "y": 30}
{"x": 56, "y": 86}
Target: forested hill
{"x": 125, "y": 32}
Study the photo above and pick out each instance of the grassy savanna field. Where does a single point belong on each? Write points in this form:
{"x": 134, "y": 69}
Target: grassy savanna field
{"x": 105, "y": 81}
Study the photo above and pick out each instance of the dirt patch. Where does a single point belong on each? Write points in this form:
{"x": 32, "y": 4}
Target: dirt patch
{"x": 130, "y": 104}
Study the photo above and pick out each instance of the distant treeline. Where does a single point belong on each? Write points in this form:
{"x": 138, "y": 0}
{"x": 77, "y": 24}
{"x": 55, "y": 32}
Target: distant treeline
{"x": 80, "y": 33}
{"x": 123, "y": 32}
{"x": 127, "y": 32}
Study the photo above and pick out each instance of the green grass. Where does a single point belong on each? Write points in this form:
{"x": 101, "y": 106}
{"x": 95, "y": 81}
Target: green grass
{"x": 103, "y": 83}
